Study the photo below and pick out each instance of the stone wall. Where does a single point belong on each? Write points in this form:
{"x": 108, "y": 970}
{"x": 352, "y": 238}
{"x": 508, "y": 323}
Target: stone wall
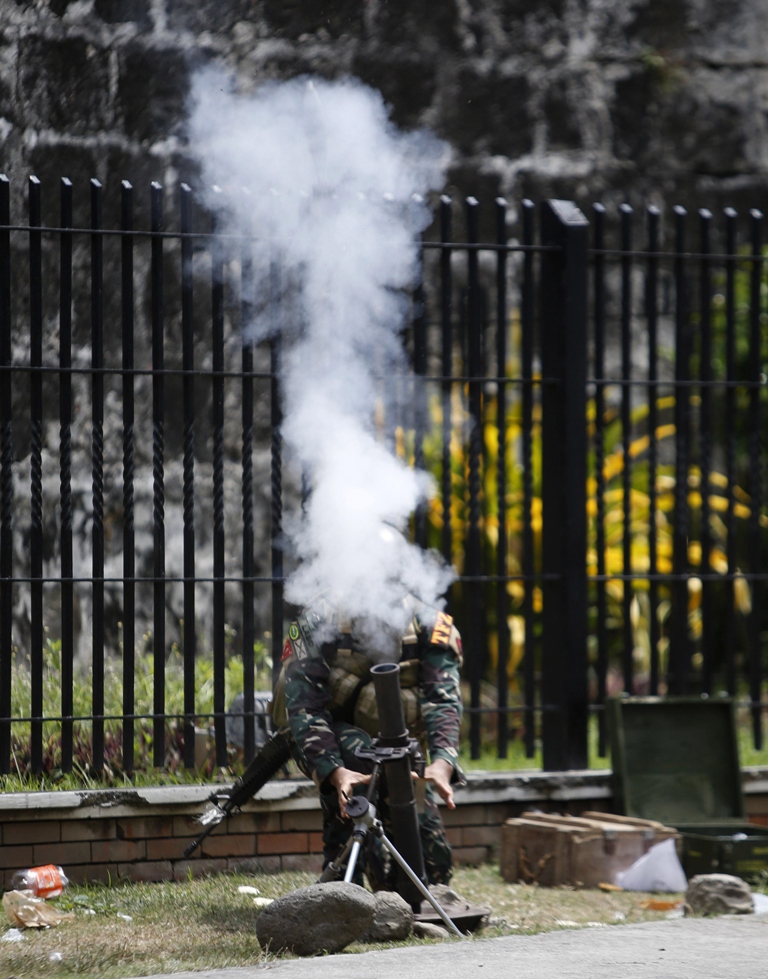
{"x": 663, "y": 99}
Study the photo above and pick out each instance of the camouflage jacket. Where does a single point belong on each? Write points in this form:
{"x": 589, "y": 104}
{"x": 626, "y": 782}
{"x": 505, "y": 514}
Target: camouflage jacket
{"x": 311, "y": 715}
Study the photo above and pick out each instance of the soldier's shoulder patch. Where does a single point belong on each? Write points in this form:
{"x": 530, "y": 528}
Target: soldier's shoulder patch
{"x": 441, "y": 633}
{"x": 293, "y": 632}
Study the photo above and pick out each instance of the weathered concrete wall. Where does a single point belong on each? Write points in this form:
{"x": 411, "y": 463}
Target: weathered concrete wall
{"x": 575, "y": 98}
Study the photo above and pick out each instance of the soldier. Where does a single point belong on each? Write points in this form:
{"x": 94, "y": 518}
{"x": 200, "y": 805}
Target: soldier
{"x": 330, "y": 706}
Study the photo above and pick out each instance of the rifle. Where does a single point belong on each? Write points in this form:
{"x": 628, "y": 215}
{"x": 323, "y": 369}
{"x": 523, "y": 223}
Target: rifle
{"x": 265, "y": 764}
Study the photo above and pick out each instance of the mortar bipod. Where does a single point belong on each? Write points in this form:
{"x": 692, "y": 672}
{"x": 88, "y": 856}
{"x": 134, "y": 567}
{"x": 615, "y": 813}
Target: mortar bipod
{"x": 363, "y": 814}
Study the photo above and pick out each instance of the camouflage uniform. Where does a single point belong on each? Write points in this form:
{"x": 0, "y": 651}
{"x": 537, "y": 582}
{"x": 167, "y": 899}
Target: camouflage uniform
{"x": 328, "y": 696}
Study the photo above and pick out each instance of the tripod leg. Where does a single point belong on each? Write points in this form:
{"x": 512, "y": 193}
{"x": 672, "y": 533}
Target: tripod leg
{"x": 350, "y": 873}
{"x": 417, "y": 883}
{"x": 335, "y": 867}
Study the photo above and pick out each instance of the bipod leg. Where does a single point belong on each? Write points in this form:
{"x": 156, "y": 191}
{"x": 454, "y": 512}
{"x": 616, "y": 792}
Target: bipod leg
{"x": 335, "y": 868}
{"x": 418, "y": 883}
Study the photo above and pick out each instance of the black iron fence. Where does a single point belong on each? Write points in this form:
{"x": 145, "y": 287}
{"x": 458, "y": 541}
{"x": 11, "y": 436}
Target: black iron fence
{"x": 593, "y": 412}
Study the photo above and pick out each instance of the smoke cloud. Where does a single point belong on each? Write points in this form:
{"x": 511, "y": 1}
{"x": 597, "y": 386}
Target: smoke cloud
{"x": 335, "y": 191}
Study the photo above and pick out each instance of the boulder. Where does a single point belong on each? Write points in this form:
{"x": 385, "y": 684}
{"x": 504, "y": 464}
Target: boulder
{"x": 316, "y": 919}
{"x": 710, "y": 894}
{"x": 393, "y": 921}
{"x": 425, "y": 929}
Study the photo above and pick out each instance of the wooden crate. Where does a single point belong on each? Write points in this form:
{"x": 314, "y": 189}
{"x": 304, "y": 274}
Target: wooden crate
{"x": 582, "y": 851}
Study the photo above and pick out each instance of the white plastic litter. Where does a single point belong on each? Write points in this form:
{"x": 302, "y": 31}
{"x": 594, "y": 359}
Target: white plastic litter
{"x": 657, "y": 870}
{"x": 246, "y": 889}
{"x": 125, "y": 917}
{"x": 12, "y": 935}
{"x": 55, "y": 957}
{"x": 760, "y": 903}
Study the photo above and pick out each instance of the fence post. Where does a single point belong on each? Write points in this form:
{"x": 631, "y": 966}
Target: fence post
{"x": 564, "y": 473}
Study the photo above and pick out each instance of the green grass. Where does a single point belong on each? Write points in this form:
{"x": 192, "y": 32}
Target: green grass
{"x": 127, "y": 930}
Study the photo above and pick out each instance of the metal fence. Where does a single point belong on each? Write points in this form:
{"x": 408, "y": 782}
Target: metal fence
{"x": 593, "y": 414}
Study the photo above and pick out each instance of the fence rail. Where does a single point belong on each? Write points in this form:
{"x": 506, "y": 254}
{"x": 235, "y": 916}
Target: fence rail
{"x": 593, "y": 414}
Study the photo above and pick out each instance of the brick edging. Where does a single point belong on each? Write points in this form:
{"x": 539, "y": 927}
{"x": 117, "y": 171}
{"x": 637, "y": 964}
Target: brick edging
{"x": 141, "y": 834}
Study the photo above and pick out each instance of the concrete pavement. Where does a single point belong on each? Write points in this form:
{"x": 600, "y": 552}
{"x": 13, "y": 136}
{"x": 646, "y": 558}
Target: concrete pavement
{"x": 729, "y": 947}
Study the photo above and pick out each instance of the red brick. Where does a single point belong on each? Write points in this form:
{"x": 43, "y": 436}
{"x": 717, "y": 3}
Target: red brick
{"x": 229, "y": 845}
{"x": 88, "y": 829}
{"x": 309, "y": 820}
{"x": 98, "y": 873}
{"x": 315, "y": 842}
{"x": 165, "y": 849}
{"x": 144, "y": 827}
{"x": 312, "y": 864}
{"x": 16, "y": 857}
{"x": 256, "y": 822}
{"x": 482, "y": 836}
{"x": 147, "y": 870}
{"x": 455, "y": 835}
{"x": 471, "y": 855}
{"x": 63, "y": 853}
{"x": 197, "y": 868}
{"x": 759, "y": 820}
{"x": 282, "y": 843}
{"x": 254, "y": 865}
{"x": 120, "y": 850}
{"x": 32, "y": 832}
{"x": 186, "y": 826}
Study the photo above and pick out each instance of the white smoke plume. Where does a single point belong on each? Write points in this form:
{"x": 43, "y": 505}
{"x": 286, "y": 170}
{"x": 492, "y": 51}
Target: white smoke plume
{"x": 335, "y": 188}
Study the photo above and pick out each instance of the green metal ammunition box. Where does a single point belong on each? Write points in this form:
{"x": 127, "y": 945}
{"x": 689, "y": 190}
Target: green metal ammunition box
{"x": 675, "y": 759}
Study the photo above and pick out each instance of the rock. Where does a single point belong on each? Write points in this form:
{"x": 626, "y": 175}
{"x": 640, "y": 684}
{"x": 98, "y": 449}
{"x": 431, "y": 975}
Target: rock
{"x": 315, "y": 919}
{"x": 446, "y": 896}
{"x": 718, "y": 894}
{"x": 393, "y": 921}
{"x": 423, "y": 929}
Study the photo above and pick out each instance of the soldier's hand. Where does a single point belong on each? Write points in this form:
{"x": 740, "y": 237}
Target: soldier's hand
{"x": 344, "y": 780}
{"x": 439, "y": 774}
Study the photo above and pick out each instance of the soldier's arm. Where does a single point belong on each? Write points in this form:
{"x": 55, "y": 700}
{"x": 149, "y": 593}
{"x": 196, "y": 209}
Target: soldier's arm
{"x": 440, "y": 691}
{"x": 307, "y": 699}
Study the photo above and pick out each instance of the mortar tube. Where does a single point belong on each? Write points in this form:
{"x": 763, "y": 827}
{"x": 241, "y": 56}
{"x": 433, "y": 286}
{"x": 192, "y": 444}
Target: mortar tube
{"x": 401, "y": 799}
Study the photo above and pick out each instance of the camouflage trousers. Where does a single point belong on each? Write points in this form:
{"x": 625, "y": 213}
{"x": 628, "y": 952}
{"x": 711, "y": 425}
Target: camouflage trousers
{"x": 378, "y": 866}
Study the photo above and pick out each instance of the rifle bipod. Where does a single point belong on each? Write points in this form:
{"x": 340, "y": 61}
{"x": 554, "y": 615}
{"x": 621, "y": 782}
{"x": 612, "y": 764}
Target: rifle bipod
{"x": 362, "y": 812}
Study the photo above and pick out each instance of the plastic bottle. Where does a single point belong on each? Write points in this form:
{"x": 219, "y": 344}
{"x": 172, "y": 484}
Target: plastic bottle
{"x": 47, "y": 881}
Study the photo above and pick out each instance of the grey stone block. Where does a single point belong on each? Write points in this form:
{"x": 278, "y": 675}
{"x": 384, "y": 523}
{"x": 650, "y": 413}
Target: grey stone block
{"x": 710, "y": 894}
{"x": 315, "y": 919}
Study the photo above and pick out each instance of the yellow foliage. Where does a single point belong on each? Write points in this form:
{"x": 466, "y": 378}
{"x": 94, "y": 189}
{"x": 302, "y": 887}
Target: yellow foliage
{"x": 664, "y": 431}
{"x": 516, "y": 589}
{"x": 718, "y": 561}
{"x": 739, "y": 493}
{"x": 400, "y": 442}
{"x": 741, "y": 511}
{"x": 639, "y": 446}
{"x": 694, "y": 593}
{"x": 742, "y": 595}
